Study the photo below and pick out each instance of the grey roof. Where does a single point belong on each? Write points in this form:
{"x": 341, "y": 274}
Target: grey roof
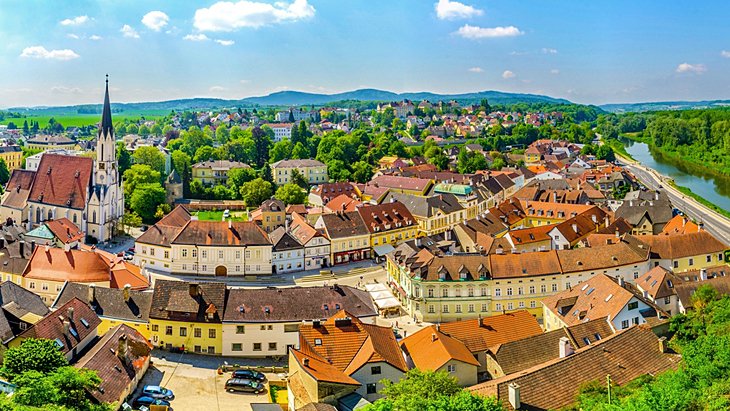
{"x": 659, "y": 211}
{"x": 427, "y": 206}
{"x": 289, "y": 304}
{"x": 16, "y": 301}
{"x": 283, "y": 240}
{"x": 106, "y": 126}
{"x": 109, "y": 302}
{"x": 343, "y": 225}
{"x": 174, "y": 178}
{"x": 297, "y": 163}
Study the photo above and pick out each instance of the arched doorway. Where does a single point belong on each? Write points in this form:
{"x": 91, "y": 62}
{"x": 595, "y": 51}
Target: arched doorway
{"x": 221, "y": 271}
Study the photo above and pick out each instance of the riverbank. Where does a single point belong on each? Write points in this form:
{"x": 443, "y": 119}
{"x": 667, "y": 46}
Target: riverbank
{"x": 688, "y": 192}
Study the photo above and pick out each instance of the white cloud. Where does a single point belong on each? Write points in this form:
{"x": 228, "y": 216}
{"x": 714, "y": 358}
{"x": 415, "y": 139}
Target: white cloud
{"x": 66, "y": 90}
{"x": 76, "y": 21}
{"x": 546, "y": 50}
{"x": 476, "y": 70}
{"x": 128, "y": 31}
{"x": 155, "y": 20}
{"x": 73, "y": 36}
{"x": 229, "y": 16}
{"x": 245, "y": 81}
{"x": 40, "y": 52}
{"x": 508, "y": 74}
{"x": 95, "y": 37}
{"x": 196, "y": 37}
{"x": 450, "y": 10}
{"x": 475, "y": 32}
{"x": 217, "y": 89}
{"x": 225, "y": 42}
{"x": 691, "y": 68}
{"x": 554, "y": 71}
{"x": 725, "y": 54}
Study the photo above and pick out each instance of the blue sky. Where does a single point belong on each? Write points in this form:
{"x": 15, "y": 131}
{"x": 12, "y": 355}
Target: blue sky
{"x": 56, "y": 52}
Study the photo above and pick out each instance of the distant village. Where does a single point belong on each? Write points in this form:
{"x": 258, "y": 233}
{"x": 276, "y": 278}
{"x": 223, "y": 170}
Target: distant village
{"x": 545, "y": 265}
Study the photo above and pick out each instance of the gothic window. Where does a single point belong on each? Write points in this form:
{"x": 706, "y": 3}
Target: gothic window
{"x": 50, "y": 214}
{"x": 93, "y": 217}
{"x": 38, "y": 215}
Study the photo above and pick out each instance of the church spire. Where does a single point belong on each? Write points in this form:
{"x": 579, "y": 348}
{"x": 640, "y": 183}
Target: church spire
{"x": 106, "y": 114}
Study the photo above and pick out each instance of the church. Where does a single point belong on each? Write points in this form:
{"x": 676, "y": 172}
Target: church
{"x": 88, "y": 191}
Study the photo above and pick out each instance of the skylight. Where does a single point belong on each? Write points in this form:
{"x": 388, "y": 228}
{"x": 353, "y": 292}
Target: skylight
{"x": 84, "y": 322}
{"x": 59, "y": 343}
{"x": 609, "y": 297}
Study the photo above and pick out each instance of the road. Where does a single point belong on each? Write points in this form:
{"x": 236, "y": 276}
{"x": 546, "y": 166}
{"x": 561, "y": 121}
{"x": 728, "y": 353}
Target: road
{"x": 716, "y": 224}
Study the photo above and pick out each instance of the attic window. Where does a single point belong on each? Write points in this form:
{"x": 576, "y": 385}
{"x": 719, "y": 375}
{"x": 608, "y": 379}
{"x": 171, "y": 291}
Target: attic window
{"x": 84, "y": 322}
{"x": 116, "y": 367}
{"x": 584, "y": 287}
{"x": 326, "y": 307}
{"x": 586, "y": 341}
{"x": 267, "y": 310}
{"x": 73, "y": 332}
{"x": 337, "y": 306}
{"x": 609, "y": 297}
{"x": 59, "y": 344}
{"x": 590, "y": 290}
{"x": 317, "y": 341}
{"x": 597, "y": 335}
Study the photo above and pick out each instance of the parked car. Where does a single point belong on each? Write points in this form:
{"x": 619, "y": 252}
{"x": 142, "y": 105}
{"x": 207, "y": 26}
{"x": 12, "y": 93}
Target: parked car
{"x": 249, "y": 375}
{"x": 244, "y": 385}
{"x": 146, "y": 401}
{"x": 155, "y": 391}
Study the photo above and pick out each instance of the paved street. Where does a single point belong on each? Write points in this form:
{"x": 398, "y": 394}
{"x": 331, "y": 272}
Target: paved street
{"x": 716, "y": 224}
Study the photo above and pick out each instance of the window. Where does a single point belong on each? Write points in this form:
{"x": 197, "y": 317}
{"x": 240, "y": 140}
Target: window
{"x": 240, "y": 329}
{"x": 691, "y": 261}
{"x": 238, "y": 254}
{"x": 257, "y": 346}
{"x": 543, "y": 288}
{"x": 509, "y": 290}
{"x": 458, "y": 308}
{"x": 183, "y": 332}
{"x": 197, "y": 333}
{"x": 667, "y": 300}
{"x": 521, "y": 304}
{"x": 211, "y": 333}
{"x": 168, "y": 330}
{"x": 236, "y": 347}
{"x": 203, "y": 254}
{"x": 533, "y": 304}
{"x": 431, "y": 309}
{"x": 636, "y": 275}
{"x": 555, "y": 288}
{"x": 625, "y": 324}
{"x": 445, "y": 309}
{"x": 567, "y": 285}
{"x": 519, "y": 291}
{"x": 532, "y": 289}
{"x": 498, "y": 307}
{"x": 31, "y": 285}
{"x": 635, "y": 320}
{"x": 457, "y": 292}
{"x": 430, "y": 292}
{"x": 633, "y": 305}
{"x": 484, "y": 308}
{"x": 371, "y": 388}
{"x": 317, "y": 341}
{"x": 197, "y": 348}
{"x": 184, "y": 252}
{"x": 444, "y": 292}
{"x": 44, "y": 286}
{"x": 375, "y": 370}
{"x": 272, "y": 346}
{"x": 676, "y": 264}
{"x": 451, "y": 368}
{"x": 211, "y": 349}
{"x": 484, "y": 291}
{"x": 719, "y": 257}
{"x": 471, "y": 292}
{"x": 471, "y": 308}
{"x": 155, "y": 327}
{"x": 497, "y": 292}
{"x": 510, "y": 306}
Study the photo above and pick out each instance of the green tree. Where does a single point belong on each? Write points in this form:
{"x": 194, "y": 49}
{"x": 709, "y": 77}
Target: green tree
{"x": 124, "y": 159}
{"x": 362, "y": 172}
{"x": 281, "y": 150}
{"x": 262, "y": 143}
{"x": 130, "y": 220}
{"x": 156, "y": 130}
{"x": 204, "y": 153}
{"x": 137, "y": 175}
{"x": 162, "y": 209}
{"x": 143, "y": 131}
{"x": 238, "y": 176}
{"x": 146, "y": 198}
{"x": 299, "y": 151}
{"x": 256, "y": 192}
{"x": 222, "y": 134}
{"x": 291, "y": 194}
{"x": 298, "y": 179}
{"x": 182, "y": 163}
{"x": 33, "y": 354}
{"x": 4, "y": 172}
{"x": 150, "y": 156}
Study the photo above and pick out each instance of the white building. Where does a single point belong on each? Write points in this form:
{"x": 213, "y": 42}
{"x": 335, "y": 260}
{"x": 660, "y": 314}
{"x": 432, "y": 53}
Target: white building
{"x": 287, "y": 253}
{"x": 32, "y": 162}
{"x": 281, "y": 130}
{"x": 265, "y": 322}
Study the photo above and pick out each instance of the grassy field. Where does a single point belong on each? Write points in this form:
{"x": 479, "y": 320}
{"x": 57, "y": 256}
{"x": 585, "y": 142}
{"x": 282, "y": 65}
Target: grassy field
{"x": 76, "y": 120}
{"x": 218, "y": 216}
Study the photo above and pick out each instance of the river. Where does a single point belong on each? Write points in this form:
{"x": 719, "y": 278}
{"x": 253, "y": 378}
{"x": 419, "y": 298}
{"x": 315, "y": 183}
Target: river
{"x": 713, "y": 188}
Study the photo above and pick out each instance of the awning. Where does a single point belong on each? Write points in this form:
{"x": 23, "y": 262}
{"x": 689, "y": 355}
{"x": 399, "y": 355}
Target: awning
{"x": 384, "y": 249}
{"x": 389, "y": 302}
{"x": 375, "y": 287}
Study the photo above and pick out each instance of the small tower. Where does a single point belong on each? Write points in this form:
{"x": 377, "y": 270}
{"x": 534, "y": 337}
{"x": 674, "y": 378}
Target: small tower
{"x": 173, "y": 187}
{"x": 106, "y": 149}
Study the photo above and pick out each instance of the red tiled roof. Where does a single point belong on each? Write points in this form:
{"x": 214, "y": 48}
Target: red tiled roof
{"x": 430, "y": 349}
{"x": 66, "y": 231}
{"x": 480, "y": 334}
{"x": 18, "y": 188}
{"x": 62, "y": 181}
{"x": 56, "y": 264}
{"x": 386, "y": 216}
{"x": 403, "y": 183}
{"x": 52, "y": 326}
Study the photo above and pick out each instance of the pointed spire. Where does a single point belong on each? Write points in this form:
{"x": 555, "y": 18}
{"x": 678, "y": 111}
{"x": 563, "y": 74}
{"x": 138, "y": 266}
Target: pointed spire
{"x": 106, "y": 114}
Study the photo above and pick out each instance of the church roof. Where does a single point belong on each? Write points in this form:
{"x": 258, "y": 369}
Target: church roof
{"x": 62, "y": 181}
{"x": 106, "y": 126}
{"x": 174, "y": 178}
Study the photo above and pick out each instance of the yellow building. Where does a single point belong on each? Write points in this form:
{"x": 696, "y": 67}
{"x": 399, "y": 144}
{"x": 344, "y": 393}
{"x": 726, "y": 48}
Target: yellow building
{"x": 683, "y": 252}
{"x": 45, "y": 142}
{"x": 113, "y": 306}
{"x": 215, "y": 172}
{"x": 539, "y": 213}
{"x": 13, "y": 156}
{"x": 435, "y": 214}
{"x": 313, "y": 171}
{"x": 349, "y": 237}
{"x": 270, "y": 215}
{"x": 187, "y": 316}
{"x": 389, "y": 223}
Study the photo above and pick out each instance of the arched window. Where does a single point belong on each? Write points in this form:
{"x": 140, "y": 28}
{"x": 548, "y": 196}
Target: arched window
{"x": 93, "y": 217}
{"x": 75, "y": 222}
{"x": 38, "y": 215}
{"x": 50, "y": 214}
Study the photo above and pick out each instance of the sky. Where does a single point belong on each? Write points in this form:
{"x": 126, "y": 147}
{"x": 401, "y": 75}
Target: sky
{"x": 56, "y": 52}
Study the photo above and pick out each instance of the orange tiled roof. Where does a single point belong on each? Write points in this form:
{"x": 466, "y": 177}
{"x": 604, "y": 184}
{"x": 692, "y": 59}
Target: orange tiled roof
{"x": 321, "y": 370}
{"x": 66, "y": 231}
{"x": 683, "y": 245}
{"x": 480, "y": 334}
{"x": 680, "y": 225}
{"x": 430, "y": 349}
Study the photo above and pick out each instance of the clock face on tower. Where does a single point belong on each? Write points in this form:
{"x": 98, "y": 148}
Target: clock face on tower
{"x": 101, "y": 177}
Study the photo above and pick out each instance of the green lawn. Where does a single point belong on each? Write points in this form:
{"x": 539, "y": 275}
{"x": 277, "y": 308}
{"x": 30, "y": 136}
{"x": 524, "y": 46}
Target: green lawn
{"x": 218, "y": 215}
{"x": 76, "y": 120}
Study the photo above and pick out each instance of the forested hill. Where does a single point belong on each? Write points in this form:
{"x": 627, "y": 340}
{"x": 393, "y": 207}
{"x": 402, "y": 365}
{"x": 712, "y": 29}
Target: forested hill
{"x": 663, "y": 105}
{"x": 297, "y": 98}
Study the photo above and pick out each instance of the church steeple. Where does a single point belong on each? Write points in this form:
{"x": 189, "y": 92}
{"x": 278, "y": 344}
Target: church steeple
{"x": 106, "y": 127}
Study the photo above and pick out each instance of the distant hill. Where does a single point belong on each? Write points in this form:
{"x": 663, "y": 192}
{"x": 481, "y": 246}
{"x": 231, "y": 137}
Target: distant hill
{"x": 663, "y": 105}
{"x": 295, "y": 98}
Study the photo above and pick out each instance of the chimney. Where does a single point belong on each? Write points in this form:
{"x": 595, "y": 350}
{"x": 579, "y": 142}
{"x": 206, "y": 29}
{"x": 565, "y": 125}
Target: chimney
{"x": 70, "y": 313}
{"x": 306, "y": 362}
{"x": 617, "y": 233}
{"x": 127, "y": 289}
{"x": 663, "y": 345}
{"x": 418, "y": 242}
{"x": 66, "y": 328}
{"x": 48, "y": 248}
{"x": 22, "y": 247}
{"x": 230, "y": 224}
{"x": 565, "y": 348}
{"x": 645, "y": 294}
{"x": 594, "y": 218}
{"x": 555, "y": 197}
{"x": 67, "y": 247}
{"x": 621, "y": 281}
{"x": 514, "y": 395}
{"x": 656, "y": 195}
{"x": 575, "y": 227}
{"x": 193, "y": 289}
{"x": 122, "y": 348}
{"x": 607, "y": 221}
{"x": 433, "y": 337}
{"x": 631, "y": 203}
{"x": 703, "y": 274}
{"x": 91, "y": 294}
{"x": 700, "y": 226}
